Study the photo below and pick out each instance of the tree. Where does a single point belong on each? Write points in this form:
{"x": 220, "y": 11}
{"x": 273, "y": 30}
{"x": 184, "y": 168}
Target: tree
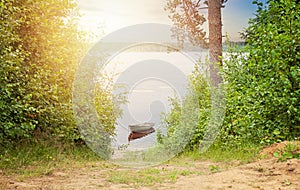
{"x": 188, "y": 22}
{"x": 215, "y": 38}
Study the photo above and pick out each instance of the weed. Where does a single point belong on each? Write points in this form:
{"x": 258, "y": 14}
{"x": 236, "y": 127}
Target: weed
{"x": 213, "y": 168}
{"x": 288, "y": 152}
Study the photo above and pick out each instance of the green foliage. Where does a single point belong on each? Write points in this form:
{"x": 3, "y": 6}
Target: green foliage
{"x": 262, "y": 83}
{"x": 244, "y": 152}
{"x": 108, "y": 104}
{"x": 147, "y": 177}
{"x": 40, "y": 158}
{"x": 290, "y": 151}
{"x": 181, "y": 113}
{"x": 39, "y": 52}
{"x": 263, "y": 96}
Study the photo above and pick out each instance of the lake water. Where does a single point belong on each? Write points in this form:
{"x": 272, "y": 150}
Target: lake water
{"x": 150, "y": 78}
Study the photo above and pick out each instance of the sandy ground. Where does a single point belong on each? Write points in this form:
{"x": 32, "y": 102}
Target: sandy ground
{"x": 264, "y": 174}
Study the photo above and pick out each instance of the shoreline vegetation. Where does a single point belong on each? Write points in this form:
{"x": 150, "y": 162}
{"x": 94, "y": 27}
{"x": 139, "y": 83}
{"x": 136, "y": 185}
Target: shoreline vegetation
{"x": 41, "y": 146}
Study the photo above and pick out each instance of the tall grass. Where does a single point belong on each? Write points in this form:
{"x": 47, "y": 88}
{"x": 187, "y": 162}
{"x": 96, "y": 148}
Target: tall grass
{"x": 245, "y": 153}
{"x": 35, "y": 158}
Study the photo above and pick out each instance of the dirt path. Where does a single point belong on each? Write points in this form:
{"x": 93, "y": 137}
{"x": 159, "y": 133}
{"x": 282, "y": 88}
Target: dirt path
{"x": 264, "y": 174}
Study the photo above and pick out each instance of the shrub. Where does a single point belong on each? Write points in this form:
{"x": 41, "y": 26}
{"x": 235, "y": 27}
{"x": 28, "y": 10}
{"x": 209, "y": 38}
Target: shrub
{"x": 39, "y": 52}
{"x": 188, "y": 118}
{"x": 263, "y": 100}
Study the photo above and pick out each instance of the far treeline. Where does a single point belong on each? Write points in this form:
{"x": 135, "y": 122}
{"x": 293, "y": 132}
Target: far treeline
{"x": 41, "y": 48}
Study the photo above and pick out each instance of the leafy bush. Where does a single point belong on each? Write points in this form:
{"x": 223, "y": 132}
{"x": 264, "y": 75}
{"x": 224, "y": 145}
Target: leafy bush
{"x": 263, "y": 97}
{"x": 107, "y": 103}
{"x": 193, "y": 110}
{"x": 39, "y": 52}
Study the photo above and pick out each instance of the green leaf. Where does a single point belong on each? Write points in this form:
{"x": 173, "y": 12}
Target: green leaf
{"x": 276, "y": 155}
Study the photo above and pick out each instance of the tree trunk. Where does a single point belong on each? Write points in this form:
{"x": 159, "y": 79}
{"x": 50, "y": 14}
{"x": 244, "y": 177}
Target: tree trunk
{"x": 215, "y": 39}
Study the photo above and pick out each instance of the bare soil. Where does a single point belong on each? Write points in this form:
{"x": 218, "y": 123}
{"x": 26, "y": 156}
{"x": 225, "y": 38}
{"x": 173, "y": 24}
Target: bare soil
{"x": 263, "y": 174}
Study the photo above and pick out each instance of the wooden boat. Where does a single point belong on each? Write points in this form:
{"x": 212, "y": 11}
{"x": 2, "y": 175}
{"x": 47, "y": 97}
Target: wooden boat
{"x": 141, "y": 127}
{"x": 140, "y": 134}
{"x": 140, "y": 130}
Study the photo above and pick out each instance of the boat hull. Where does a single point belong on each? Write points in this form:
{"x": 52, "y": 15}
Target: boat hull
{"x": 140, "y": 134}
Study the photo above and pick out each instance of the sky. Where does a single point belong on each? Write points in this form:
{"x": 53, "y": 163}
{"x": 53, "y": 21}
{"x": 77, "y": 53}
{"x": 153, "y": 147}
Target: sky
{"x": 105, "y": 16}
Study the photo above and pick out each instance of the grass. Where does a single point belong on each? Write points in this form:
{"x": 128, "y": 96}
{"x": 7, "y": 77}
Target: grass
{"x": 40, "y": 159}
{"x": 151, "y": 176}
{"x": 34, "y": 159}
{"x": 144, "y": 177}
{"x": 184, "y": 164}
{"x": 244, "y": 154}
